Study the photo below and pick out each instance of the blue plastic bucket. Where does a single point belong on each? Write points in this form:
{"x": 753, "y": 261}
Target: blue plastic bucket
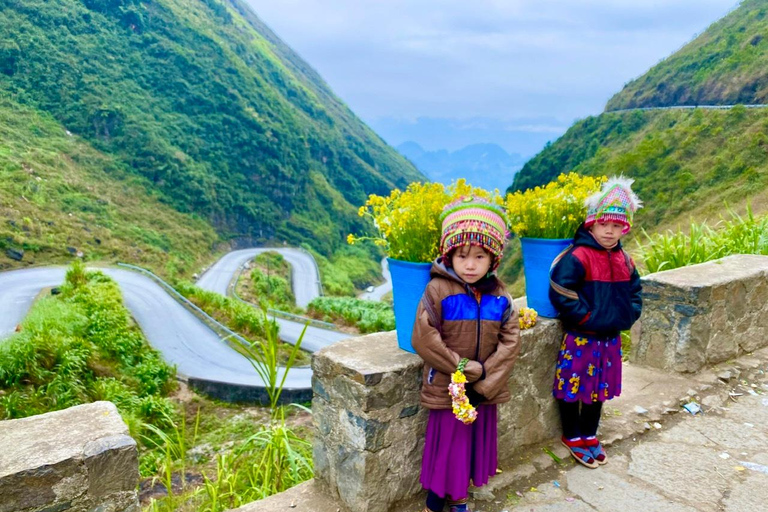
{"x": 409, "y": 280}
{"x": 538, "y": 255}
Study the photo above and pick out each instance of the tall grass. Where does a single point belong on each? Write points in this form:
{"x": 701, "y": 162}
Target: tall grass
{"x": 78, "y": 347}
{"x": 737, "y": 235}
{"x": 273, "y": 459}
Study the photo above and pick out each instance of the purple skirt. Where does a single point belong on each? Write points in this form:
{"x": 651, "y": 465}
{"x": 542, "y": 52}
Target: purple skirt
{"x": 588, "y": 369}
{"x": 455, "y": 452}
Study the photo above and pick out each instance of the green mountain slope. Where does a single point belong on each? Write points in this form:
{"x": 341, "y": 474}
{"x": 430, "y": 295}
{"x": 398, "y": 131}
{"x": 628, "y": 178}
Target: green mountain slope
{"x": 685, "y": 162}
{"x": 726, "y": 65}
{"x": 199, "y": 98}
{"x": 59, "y": 196}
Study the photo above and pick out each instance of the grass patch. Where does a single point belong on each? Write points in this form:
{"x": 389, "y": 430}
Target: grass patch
{"x": 365, "y": 315}
{"x": 267, "y": 282}
{"x": 245, "y": 320}
{"x": 745, "y": 234}
{"x": 81, "y": 346}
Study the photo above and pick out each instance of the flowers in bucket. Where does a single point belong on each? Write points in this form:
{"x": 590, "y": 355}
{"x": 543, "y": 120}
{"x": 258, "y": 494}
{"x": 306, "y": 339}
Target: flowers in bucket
{"x": 555, "y": 210}
{"x": 408, "y": 222}
{"x": 528, "y": 317}
{"x": 462, "y": 409}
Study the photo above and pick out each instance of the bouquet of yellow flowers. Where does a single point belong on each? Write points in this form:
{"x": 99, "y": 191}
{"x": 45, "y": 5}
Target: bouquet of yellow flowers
{"x": 528, "y": 317}
{"x": 462, "y": 409}
{"x": 408, "y": 222}
{"x": 555, "y": 210}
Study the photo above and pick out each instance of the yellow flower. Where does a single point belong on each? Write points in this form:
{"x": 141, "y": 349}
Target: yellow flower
{"x": 554, "y": 210}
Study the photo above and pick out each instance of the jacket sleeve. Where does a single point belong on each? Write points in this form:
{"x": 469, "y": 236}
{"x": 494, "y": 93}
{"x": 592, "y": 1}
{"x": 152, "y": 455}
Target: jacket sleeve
{"x": 636, "y": 290}
{"x": 428, "y": 342}
{"x": 566, "y": 279}
{"x": 499, "y": 364}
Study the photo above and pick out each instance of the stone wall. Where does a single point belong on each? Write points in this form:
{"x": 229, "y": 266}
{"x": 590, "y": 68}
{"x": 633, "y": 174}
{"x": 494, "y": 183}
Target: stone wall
{"x": 703, "y": 314}
{"x": 80, "y": 459}
{"x": 370, "y": 426}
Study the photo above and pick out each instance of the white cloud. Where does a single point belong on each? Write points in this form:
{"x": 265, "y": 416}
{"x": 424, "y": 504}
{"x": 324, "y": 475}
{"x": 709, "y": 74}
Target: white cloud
{"x": 489, "y": 58}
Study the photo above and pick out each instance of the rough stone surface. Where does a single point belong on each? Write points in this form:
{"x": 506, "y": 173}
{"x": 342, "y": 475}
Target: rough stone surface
{"x": 78, "y": 459}
{"x": 703, "y": 314}
{"x": 370, "y": 426}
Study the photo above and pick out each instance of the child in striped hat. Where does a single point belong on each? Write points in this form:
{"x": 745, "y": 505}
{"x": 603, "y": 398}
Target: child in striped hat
{"x": 468, "y": 334}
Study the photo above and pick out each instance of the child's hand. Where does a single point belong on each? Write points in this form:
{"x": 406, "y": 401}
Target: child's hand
{"x": 473, "y": 371}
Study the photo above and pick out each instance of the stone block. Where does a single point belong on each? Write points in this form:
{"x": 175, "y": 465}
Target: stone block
{"x": 703, "y": 314}
{"x": 79, "y": 459}
{"x": 370, "y": 425}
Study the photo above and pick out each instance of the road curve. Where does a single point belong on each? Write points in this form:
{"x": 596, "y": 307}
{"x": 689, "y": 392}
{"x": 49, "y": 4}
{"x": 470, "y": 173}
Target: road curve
{"x": 305, "y": 279}
{"x": 181, "y": 337}
{"x": 305, "y": 283}
{"x": 381, "y": 290}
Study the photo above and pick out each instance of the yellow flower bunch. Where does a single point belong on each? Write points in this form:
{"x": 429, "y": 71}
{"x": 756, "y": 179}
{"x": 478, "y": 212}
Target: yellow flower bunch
{"x": 408, "y": 222}
{"x": 462, "y": 409}
{"x": 528, "y": 317}
{"x": 555, "y": 210}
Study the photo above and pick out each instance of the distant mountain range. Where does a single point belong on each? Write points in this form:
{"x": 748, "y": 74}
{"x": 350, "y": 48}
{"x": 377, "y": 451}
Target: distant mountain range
{"x": 483, "y": 165}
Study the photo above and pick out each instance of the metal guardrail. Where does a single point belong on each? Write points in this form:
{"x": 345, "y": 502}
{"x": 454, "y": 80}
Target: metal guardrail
{"x": 212, "y": 322}
{"x": 686, "y": 107}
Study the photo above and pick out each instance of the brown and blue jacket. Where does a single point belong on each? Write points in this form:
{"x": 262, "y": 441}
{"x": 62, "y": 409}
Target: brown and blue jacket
{"x": 597, "y": 291}
{"x": 454, "y": 322}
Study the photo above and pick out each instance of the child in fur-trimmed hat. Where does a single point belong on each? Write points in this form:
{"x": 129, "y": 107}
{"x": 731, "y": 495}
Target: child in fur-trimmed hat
{"x": 596, "y": 289}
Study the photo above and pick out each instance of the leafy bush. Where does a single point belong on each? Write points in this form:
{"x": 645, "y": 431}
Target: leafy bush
{"x": 78, "y": 347}
{"x": 366, "y": 315}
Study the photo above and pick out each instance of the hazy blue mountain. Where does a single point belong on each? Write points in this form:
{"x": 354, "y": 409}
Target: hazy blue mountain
{"x": 484, "y": 165}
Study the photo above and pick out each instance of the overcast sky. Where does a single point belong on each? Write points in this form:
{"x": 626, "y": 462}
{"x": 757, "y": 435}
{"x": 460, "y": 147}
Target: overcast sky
{"x": 487, "y": 69}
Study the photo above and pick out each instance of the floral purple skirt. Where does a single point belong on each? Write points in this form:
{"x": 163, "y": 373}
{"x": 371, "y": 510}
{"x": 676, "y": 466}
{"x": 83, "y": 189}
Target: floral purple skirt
{"x": 455, "y": 452}
{"x": 588, "y": 369}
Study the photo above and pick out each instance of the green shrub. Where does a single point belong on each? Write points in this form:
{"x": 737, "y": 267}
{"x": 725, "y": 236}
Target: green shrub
{"x": 78, "y": 347}
{"x": 367, "y": 316}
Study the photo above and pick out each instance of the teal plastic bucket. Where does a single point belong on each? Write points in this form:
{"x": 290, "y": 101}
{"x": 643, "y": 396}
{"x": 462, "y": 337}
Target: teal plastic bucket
{"x": 409, "y": 280}
{"x": 538, "y": 255}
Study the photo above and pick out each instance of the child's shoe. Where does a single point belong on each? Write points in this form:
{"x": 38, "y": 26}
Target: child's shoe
{"x": 580, "y": 452}
{"x": 596, "y": 449}
{"x": 459, "y": 506}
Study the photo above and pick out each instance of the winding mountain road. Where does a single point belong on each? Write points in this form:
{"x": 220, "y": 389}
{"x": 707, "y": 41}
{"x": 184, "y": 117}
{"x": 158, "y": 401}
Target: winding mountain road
{"x": 306, "y": 286}
{"x": 180, "y": 336}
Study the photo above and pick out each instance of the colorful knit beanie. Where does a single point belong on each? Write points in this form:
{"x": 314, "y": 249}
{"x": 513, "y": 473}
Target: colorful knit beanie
{"x": 615, "y": 202}
{"x": 473, "y": 221}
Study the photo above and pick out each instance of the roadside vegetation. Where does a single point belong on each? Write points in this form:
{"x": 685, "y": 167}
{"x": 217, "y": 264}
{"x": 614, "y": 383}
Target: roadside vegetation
{"x": 365, "y": 316}
{"x": 267, "y": 282}
{"x": 81, "y": 346}
{"x": 738, "y": 234}
{"x": 246, "y": 320}
{"x": 250, "y": 457}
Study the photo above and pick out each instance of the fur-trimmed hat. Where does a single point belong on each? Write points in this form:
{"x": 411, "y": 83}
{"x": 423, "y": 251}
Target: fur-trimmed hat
{"x": 474, "y": 221}
{"x": 615, "y": 202}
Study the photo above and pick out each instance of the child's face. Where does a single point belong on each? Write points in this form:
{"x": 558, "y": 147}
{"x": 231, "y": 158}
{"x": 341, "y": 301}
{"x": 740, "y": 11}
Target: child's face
{"x": 471, "y": 263}
{"x": 607, "y": 234}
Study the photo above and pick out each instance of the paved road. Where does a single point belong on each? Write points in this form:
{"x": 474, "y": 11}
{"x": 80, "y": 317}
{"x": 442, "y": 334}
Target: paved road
{"x": 305, "y": 280}
{"x": 688, "y": 107}
{"x": 381, "y": 290}
{"x": 305, "y": 285}
{"x": 182, "y": 339}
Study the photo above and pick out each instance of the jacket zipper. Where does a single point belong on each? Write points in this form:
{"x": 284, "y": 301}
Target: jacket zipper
{"x": 610, "y": 265}
{"x": 477, "y": 342}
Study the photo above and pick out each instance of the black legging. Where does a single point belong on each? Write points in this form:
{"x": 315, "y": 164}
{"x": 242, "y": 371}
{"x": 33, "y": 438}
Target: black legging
{"x": 579, "y": 423}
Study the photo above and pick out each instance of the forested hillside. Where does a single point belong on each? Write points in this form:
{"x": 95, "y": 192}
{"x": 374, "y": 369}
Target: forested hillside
{"x": 60, "y": 197}
{"x": 685, "y": 162}
{"x": 206, "y": 104}
{"x": 727, "y": 64}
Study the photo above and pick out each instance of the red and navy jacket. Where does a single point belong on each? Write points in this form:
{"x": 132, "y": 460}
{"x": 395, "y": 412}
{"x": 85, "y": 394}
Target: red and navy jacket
{"x": 597, "y": 291}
